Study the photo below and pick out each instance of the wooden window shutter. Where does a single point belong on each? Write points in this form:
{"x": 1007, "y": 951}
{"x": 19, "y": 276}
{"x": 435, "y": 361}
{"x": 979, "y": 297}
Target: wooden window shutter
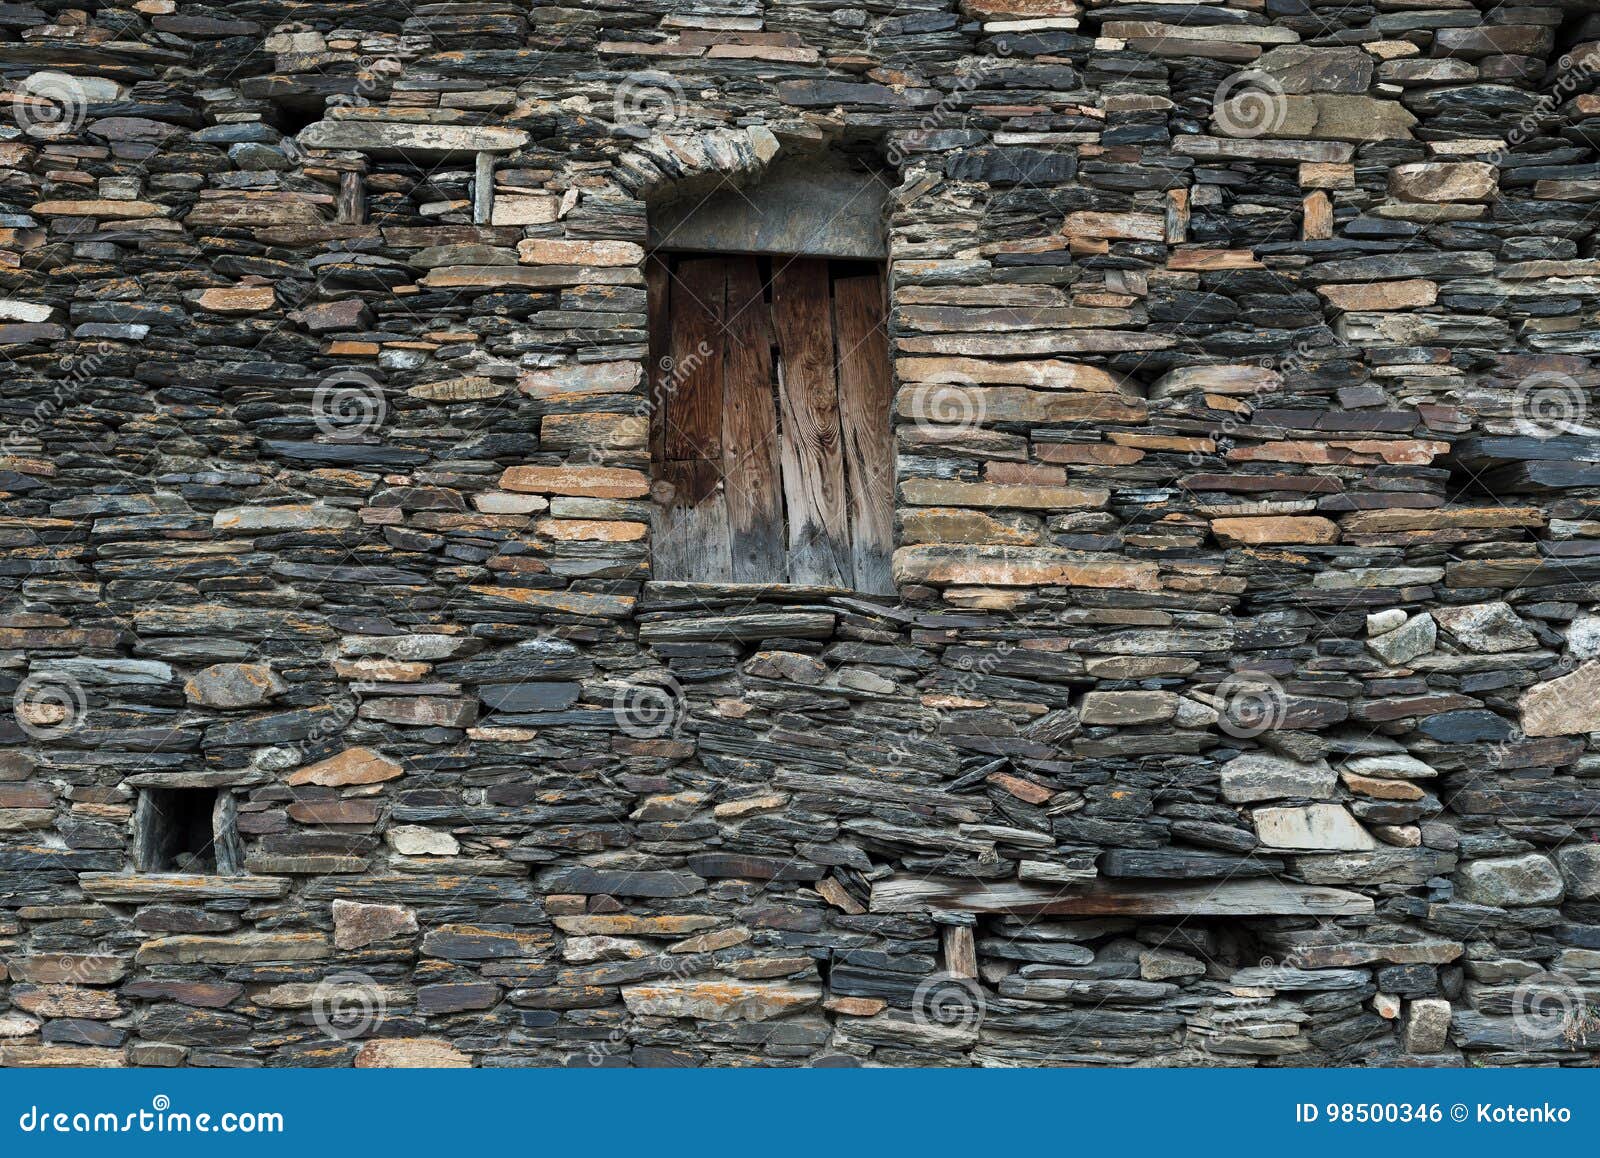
{"x": 770, "y": 432}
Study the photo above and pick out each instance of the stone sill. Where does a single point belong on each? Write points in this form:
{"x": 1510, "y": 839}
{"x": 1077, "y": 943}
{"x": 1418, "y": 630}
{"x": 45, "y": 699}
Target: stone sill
{"x": 141, "y": 888}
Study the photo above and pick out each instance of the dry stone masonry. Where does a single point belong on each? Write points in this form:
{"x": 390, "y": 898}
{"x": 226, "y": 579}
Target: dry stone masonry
{"x": 1238, "y": 698}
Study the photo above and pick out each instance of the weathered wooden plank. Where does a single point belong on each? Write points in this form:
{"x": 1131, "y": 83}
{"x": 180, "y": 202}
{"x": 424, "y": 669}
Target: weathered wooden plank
{"x": 750, "y": 469}
{"x": 691, "y": 524}
{"x": 691, "y": 540}
{"x": 691, "y": 400}
{"x": 1256, "y": 898}
{"x": 658, "y": 322}
{"x": 866, "y": 396}
{"x": 813, "y": 468}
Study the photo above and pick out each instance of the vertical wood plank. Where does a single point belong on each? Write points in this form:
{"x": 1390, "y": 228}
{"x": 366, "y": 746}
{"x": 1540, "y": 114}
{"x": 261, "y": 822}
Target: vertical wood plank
{"x": 813, "y": 468}
{"x": 658, "y": 314}
{"x": 691, "y": 525}
{"x": 750, "y": 470}
{"x": 350, "y": 207}
{"x": 690, "y": 541}
{"x": 693, "y": 388}
{"x": 866, "y": 397}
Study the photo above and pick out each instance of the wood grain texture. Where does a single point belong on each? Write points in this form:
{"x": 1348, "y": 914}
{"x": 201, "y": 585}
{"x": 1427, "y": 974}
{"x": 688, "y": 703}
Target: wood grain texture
{"x": 813, "y": 467}
{"x": 866, "y": 396}
{"x": 750, "y": 468}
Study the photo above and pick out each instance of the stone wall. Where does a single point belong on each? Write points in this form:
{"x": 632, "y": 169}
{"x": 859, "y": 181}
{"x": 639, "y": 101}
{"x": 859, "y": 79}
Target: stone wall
{"x": 1239, "y": 705}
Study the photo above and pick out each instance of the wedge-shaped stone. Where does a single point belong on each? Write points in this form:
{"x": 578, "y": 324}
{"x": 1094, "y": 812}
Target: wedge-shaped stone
{"x": 352, "y": 766}
{"x": 1566, "y": 706}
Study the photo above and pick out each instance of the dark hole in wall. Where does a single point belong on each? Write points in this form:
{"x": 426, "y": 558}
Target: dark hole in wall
{"x": 176, "y": 830}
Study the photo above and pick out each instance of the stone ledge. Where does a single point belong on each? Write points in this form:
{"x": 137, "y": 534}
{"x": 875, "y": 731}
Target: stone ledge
{"x": 141, "y": 888}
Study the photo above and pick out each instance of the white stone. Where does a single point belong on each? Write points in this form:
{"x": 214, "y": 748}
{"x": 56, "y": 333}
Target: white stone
{"x": 1380, "y": 622}
{"x": 419, "y": 840}
{"x": 1413, "y": 638}
{"x": 1311, "y": 828}
{"x": 1583, "y": 637}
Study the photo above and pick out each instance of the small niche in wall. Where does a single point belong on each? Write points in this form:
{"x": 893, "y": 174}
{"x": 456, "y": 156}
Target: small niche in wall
{"x": 187, "y": 830}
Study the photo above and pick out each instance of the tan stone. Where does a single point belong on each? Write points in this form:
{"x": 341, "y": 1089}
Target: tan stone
{"x": 1445, "y": 181}
{"x": 356, "y": 924}
{"x": 539, "y": 209}
{"x": 931, "y": 492}
{"x": 591, "y": 530}
{"x": 1380, "y": 295}
{"x": 122, "y": 209}
{"x": 1380, "y": 788}
{"x": 411, "y": 1053}
{"x": 590, "y": 378}
{"x": 239, "y": 300}
{"x": 719, "y": 1000}
{"x": 352, "y": 766}
{"x": 1566, "y": 706}
{"x": 542, "y": 251}
{"x": 1132, "y": 226}
{"x": 597, "y": 482}
{"x": 460, "y": 390}
{"x": 1046, "y": 373}
{"x": 1020, "y": 567}
{"x": 1276, "y": 529}
{"x": 1355, "y": 451}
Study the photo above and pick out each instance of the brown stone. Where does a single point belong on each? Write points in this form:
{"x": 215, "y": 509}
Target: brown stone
{"x": 356, "y": 924}
{"x": 352, "y": 766}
